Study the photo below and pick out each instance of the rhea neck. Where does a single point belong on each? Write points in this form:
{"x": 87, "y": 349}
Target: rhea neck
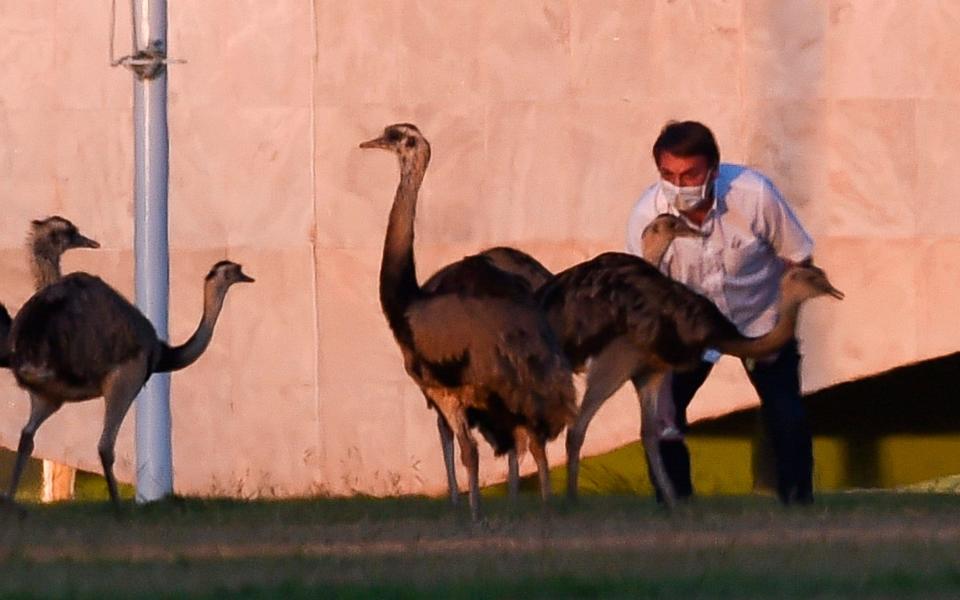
{"x": 772, "y": 341}
{"x": 398, "y": 273}
{"x": 45, "y": 266}
{"x": 654, "y": 247}
{"x": 178, "y": 357}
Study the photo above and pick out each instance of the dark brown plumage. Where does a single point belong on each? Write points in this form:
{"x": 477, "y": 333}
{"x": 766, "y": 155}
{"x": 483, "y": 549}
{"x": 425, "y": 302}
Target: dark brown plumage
{"x": 5, "y": 322}
{"x": 472, "y": 337}
{"x": 620, "y": 318}
{"x": 47, "y": 241}
{"x": 620, "y": 295}
{"x": 78, "y": 339}
{"x": 516, "y": 262}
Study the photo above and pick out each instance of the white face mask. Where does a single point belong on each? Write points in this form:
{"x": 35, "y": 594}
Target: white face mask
{"x": 685, "y": 197}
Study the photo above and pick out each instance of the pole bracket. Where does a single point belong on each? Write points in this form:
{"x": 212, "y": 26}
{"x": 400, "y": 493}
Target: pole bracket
{"x": 149, "y": 63}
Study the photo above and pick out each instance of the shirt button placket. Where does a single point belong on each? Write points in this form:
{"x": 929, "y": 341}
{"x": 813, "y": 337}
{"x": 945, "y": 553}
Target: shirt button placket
{"x": 713, "y": 275}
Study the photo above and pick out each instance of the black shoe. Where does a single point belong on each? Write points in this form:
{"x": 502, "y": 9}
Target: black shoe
{"x": 796, "y": 495}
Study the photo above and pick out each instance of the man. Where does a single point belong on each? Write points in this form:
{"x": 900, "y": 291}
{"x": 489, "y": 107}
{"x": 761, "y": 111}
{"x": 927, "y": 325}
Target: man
{"x": 750, "y": 235}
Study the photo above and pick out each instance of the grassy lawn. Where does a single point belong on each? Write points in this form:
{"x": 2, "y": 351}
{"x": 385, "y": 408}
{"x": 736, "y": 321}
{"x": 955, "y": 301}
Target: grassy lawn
{"x": 867, "y": 544}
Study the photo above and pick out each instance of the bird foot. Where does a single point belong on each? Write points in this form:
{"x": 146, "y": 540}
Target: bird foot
{"x": 482, "y": 524}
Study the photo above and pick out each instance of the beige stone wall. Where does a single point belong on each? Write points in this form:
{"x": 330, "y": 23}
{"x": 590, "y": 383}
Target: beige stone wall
{"x": 541, "y": 115}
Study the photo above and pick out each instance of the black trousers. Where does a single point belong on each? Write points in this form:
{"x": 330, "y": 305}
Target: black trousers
{"x": 781, "y": 407}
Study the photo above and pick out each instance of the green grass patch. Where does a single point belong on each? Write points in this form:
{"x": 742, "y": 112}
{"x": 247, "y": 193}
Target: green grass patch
{"x": 847, "y": 545}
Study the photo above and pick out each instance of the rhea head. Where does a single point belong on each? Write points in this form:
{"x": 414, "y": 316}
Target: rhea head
{"x": 406, "y": 141}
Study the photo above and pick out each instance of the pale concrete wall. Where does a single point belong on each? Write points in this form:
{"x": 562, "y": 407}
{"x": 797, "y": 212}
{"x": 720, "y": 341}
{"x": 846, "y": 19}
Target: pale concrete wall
{"x": 541, "y": 116}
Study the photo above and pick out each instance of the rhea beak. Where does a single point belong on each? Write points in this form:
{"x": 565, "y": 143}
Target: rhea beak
{"x": 828, "y": 287}
{"x": 82, "y": 241}
{"x": 241, "y": 276}
{"x": 379, "y": 142}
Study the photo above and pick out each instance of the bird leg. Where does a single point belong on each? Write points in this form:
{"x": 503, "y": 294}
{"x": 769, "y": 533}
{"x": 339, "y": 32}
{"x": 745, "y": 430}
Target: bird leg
{"x": 648, "y": 388}
{"x": 539, "y": 452}
{"x": 520, "y": 443}
{"x": 609, "y": 370}
{"x": 446, "y": 442}
{"x": 120, "y": 389}
{"x": 451, "y": 409}
{"x": 513, "y": 475}
{"x": 471, "y": 460}
{"x": 40, "y": 410}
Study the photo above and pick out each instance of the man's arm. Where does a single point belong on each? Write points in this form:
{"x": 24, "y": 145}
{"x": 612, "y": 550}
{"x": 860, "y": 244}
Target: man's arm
{"x": 782, "y": 228}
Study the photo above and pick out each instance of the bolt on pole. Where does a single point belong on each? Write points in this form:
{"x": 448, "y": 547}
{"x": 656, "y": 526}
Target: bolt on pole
{"x": 154, "y": 452}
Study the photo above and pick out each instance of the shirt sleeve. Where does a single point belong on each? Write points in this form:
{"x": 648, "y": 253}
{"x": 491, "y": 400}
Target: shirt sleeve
{"x": 781, "y": 227}
{"x": 644, "y": 211}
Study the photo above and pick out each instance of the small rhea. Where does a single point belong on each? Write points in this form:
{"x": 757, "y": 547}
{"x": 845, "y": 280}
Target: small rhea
{"x": 619, "y": 318}
{"x": 78, "y": 338}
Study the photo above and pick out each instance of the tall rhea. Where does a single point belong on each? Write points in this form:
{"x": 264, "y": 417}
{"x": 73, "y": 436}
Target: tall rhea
{"x": 482, "y": 355}
{"x": 78, "y": 339}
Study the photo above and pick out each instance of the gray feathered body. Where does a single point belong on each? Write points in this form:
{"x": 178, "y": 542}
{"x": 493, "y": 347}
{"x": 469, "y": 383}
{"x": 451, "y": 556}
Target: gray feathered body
{"x": 473, "y": 326}
{"x": 519, "y": 263}
{"x": 70, "y": 335}
{"x": 620, "y": 295}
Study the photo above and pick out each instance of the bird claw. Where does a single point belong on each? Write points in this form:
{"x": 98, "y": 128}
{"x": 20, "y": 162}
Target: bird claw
{"x": 483, "y": 524}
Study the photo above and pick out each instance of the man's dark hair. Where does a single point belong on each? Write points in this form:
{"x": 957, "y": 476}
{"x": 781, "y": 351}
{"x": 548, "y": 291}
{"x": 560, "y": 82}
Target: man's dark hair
{"x": 687, "y": 138}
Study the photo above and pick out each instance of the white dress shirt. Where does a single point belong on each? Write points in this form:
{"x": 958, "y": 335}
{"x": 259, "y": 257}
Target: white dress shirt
{"x": 737, "y": 263}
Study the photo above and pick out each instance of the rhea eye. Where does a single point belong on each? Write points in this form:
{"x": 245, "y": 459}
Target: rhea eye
{"x": 394, "y": 136}
{"x": 411, "y": 142}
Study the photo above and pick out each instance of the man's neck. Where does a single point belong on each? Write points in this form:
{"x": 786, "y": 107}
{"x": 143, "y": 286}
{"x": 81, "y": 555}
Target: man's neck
{"x": 699, "y": 213}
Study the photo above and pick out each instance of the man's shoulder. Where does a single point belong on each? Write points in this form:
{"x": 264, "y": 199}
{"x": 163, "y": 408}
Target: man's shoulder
{"x": 746, "y": 186}
{"x": 743, "y": 177}
{"x": 647, "y": 202}
{"x": 648, "y": 194}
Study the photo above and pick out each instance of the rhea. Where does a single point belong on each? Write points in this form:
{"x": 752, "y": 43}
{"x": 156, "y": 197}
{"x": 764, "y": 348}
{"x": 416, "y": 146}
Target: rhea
{"x": 48, "y": 240}
{"x": 619, "y": 318}
{"x": 78, "y": 339}
{"x": 481, "y": 353}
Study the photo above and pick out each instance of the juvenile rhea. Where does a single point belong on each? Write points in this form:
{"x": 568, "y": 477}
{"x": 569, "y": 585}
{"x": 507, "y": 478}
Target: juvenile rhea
{"x": 619, "y": 318}
{"x": 656, "y": 239}
{"x": 78, "y": 339}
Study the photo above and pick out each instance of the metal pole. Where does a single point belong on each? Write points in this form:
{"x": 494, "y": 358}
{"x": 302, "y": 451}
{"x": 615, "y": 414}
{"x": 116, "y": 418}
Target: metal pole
{"x": 154, "y": 479}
